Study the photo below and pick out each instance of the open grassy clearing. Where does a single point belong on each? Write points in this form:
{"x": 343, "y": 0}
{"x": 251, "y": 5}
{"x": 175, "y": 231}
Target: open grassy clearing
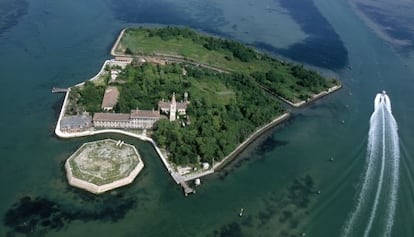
{"x": 103, "y": 162}
{"x": 139, "y": 42}
{"x": 290, "y": 81}
{"x": 213, "y": 90}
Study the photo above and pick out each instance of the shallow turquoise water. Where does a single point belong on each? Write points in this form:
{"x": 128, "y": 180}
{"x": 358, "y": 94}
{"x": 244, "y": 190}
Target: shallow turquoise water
{"x": 62, "y": 43}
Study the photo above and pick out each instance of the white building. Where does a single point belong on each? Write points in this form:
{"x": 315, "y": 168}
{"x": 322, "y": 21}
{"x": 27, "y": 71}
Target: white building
{"x": 75, "y": 123}
{"x": 172, "y": 108}
{"x": 114, "y": 74}
{"x": 144, "y": 118}
{"x": 111, "y": 120}
{"x": 137, "y": 119}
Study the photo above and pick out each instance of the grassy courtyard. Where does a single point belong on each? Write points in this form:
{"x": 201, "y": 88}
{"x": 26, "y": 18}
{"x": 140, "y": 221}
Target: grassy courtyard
{"x": 103, "y": 162}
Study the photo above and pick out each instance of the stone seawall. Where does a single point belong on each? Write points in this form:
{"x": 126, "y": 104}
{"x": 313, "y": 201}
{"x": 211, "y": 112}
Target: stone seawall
{"x": 250, "y": 139}
{"x": 97, "y": 189}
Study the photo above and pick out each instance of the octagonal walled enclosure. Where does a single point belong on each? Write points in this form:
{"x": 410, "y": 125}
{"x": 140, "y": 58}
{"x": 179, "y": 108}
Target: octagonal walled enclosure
{"x": 103, "y": 165}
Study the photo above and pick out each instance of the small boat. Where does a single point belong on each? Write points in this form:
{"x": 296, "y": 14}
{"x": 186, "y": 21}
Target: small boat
{"x": 241, "y": 212}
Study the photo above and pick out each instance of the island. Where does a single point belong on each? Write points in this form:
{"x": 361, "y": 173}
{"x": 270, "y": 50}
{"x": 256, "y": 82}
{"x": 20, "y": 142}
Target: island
{"x": 103, "y": 165}
{"x": 199, "y": 100}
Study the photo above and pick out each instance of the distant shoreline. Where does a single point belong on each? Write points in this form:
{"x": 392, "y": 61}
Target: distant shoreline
{"x": 308, "y": 101}
{"x": 240, "y": 148}
{"x": 315, "y": 96}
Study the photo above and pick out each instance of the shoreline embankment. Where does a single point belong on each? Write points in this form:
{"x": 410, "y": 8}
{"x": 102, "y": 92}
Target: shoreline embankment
{"x": 242, "y": 146}
{"x": 113, "y": 49}
{"x": 98, "y": 189}
{"x": 308, "y": 101}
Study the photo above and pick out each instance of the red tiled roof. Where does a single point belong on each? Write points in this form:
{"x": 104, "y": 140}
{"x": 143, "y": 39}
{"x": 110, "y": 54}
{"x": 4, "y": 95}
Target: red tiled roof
{"x": 145, "y": 113}
{"x": 181, "y": 105}
{"x": 110, "y": 117}
{"x": 110, "y": 97}
{"x": 166, "y": 105}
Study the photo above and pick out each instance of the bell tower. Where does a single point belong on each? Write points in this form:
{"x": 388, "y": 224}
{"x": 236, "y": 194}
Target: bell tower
{"x": 173, "y": 108}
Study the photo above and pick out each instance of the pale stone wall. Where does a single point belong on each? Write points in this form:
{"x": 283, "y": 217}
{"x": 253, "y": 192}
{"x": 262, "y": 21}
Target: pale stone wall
{"x": 97, "y": 189}
{"x": 136, "y": 123}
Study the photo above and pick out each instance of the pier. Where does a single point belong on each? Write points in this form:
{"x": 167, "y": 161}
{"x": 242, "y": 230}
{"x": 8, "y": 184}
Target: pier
{"x": 59, "y": 90}
{"x": 187, "y": 189}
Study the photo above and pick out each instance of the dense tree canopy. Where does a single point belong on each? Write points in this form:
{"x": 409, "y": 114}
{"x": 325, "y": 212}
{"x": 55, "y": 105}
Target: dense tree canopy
{"x": 216, "y": 129}
{"x": 88, "y": 98}
{"x": 224, "y": 108}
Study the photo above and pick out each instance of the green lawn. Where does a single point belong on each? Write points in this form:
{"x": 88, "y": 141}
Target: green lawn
{"x": 289, "y": 81}
{"x": 139, "y": 42}
{"x": 213, "y": 89}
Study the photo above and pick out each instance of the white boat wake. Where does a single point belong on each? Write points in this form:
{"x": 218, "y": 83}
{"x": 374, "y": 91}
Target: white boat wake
{"x": 373, "y": 214}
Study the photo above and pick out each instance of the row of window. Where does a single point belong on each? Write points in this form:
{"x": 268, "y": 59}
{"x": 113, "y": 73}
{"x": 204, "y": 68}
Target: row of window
{"x": 130, "y": 124}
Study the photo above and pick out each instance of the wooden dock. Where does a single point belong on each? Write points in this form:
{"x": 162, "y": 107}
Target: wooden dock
{"x": 187, "y": 189}
{"x": 59, "y": 90}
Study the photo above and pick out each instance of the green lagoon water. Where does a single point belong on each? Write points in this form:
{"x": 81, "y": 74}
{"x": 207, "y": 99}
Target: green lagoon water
{"x": 276, "y": 180}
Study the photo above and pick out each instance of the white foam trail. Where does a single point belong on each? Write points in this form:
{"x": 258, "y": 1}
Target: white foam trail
{"x": 383, "y": 154}
{"x": 381, "y": 178}
{"x": 395, "y": 175}
{"x": 370, "y": 170}
{"x": 387, "y": 103}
